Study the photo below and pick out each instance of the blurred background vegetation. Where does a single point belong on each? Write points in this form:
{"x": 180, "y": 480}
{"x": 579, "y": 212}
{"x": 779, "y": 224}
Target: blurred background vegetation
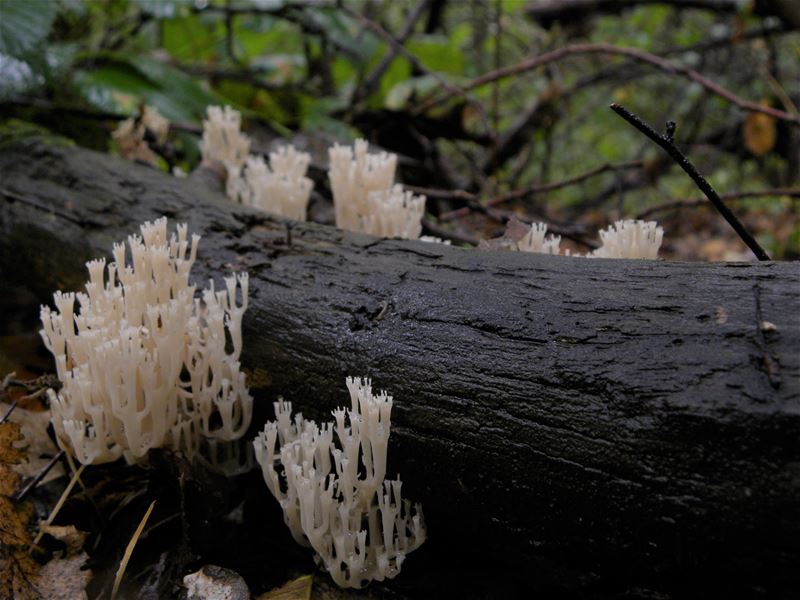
{"x": 540, "y": 142}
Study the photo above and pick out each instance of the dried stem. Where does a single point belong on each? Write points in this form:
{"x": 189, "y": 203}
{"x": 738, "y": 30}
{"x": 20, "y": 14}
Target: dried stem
{"x": 667, "y": 142}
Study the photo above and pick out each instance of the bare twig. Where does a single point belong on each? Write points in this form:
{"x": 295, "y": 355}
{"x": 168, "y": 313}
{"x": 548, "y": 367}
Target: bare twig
{"x": 468, "y": 197}
{"x": 7, "y": 414}
{"x": 694, "y": 202}
{"x": 371, "y": 81}
{"x": 451, "y": 89}
{"x": 59, "y": 504}
{"x": 39, "y": 476}
{"x": 229, "y": 41}
{"x": 667, "y": 142}
{"x": 434, "y": 229}
{"x": 663, "y": 64}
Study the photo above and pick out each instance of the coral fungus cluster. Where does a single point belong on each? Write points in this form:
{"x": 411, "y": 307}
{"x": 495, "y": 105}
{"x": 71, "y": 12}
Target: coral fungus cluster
{"x": 355, "y": 520}
{"x": 145, "y": 364}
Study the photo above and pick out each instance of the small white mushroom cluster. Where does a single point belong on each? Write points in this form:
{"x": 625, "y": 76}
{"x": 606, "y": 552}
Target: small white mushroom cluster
{"x": 145, "y": 364}
{"x": 630, "y": 239}
{"x": 394, "y": 213}
{"x": 224, "y": 142}
{"x": 281, "y": 187}
{"x": 355, "y": 520}
{"x": 521, "y": 237}
{"x": 365, "y": 197}
{"x": 624, "y": 239}
{"x": 534, "y": 240}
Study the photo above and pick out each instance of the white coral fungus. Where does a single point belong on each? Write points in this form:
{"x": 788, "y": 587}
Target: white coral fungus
{"x": 280, "y": 188}
{"x": 144, "y": 364}
{"x": 224, "y": 142}
{"x": 355, "y": 520}
{"x": 354, "y": 174}
{"x": 394, "y": 213}
{"x": 534, "y": 241}
{"x": 630, "y": 239}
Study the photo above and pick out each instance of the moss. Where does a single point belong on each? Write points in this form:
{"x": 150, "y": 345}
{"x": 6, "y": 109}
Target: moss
{"x": 14, "y": 131}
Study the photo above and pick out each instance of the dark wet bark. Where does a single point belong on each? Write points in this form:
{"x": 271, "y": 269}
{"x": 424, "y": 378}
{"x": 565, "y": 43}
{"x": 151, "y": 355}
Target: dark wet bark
{"x": 598, "y": 425}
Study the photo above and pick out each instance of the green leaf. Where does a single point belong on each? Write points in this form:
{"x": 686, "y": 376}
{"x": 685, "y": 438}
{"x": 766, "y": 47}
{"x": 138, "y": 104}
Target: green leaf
{"x": 401, "y": 93}
{"x": 163, "y": 9}
{"x": 23, "y": 24}
{"x": 125, "y": 82}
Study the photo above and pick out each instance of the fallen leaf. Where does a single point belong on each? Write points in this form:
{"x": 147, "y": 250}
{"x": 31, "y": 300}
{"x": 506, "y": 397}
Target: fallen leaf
{"x": 759, "y": 133}
{"x": 68, "y": 534}
{"x": 63, "y": 579}
{"x": 17, "y": 569}
{"x": 297, "y": 589}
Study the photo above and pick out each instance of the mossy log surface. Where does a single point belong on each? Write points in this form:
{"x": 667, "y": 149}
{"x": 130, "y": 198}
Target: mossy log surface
{"x": 597, "y": 425}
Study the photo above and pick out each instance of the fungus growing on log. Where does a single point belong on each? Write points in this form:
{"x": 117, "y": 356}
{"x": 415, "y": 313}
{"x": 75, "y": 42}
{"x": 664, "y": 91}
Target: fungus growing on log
{"x": 145, "y": 364}
{"x": 281, "y": 187}
{"x": 630, "y": 239}
{"x": 394, "y": 213}
{"x": 354, "y": 174}
{"x": 223, "y": 142}
{"x": 355, "y": 520}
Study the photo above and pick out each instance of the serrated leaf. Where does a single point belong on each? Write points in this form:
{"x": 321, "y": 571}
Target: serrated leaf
{"x": 23, "y": 24}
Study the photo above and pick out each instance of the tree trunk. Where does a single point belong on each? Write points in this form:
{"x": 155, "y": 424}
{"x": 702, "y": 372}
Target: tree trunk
{"x": 597, "y": 425}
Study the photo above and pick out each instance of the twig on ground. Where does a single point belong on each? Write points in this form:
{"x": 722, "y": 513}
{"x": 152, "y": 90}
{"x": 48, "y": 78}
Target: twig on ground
{"x": 59, "y": 504}
{"x": 129, "y": 551}
{"x": 667, "y": 142}
{"x": 39, "y": 476}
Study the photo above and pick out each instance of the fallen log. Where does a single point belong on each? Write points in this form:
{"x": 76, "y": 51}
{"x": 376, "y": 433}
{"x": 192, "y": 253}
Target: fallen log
{"x": 608, "y": 426}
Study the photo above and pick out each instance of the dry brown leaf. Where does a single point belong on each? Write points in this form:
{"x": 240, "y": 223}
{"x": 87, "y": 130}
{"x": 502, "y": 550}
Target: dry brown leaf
{"x": 68, "y": 534}
{"x": 297, "y": 589}
{"x": 759, "y": 133}
{"x": 17, "y": 569}
{"x": 63, "y": 579}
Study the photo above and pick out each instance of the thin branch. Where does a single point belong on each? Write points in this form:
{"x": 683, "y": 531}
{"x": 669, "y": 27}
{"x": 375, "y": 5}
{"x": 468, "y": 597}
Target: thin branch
{"x": 468, "y": 197}
{"x": 39, "y": 476}
{"x": 372, "y": 80}
{"x": 434, "y": 229}
{"x": 695, "y": 202}
{"x": 229, "y": 41}
{"x": 667, "y": 142}
{"x": 450, "y": 88}
{"x": 664, "y": 65}
{"x": 556, "y": 185}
